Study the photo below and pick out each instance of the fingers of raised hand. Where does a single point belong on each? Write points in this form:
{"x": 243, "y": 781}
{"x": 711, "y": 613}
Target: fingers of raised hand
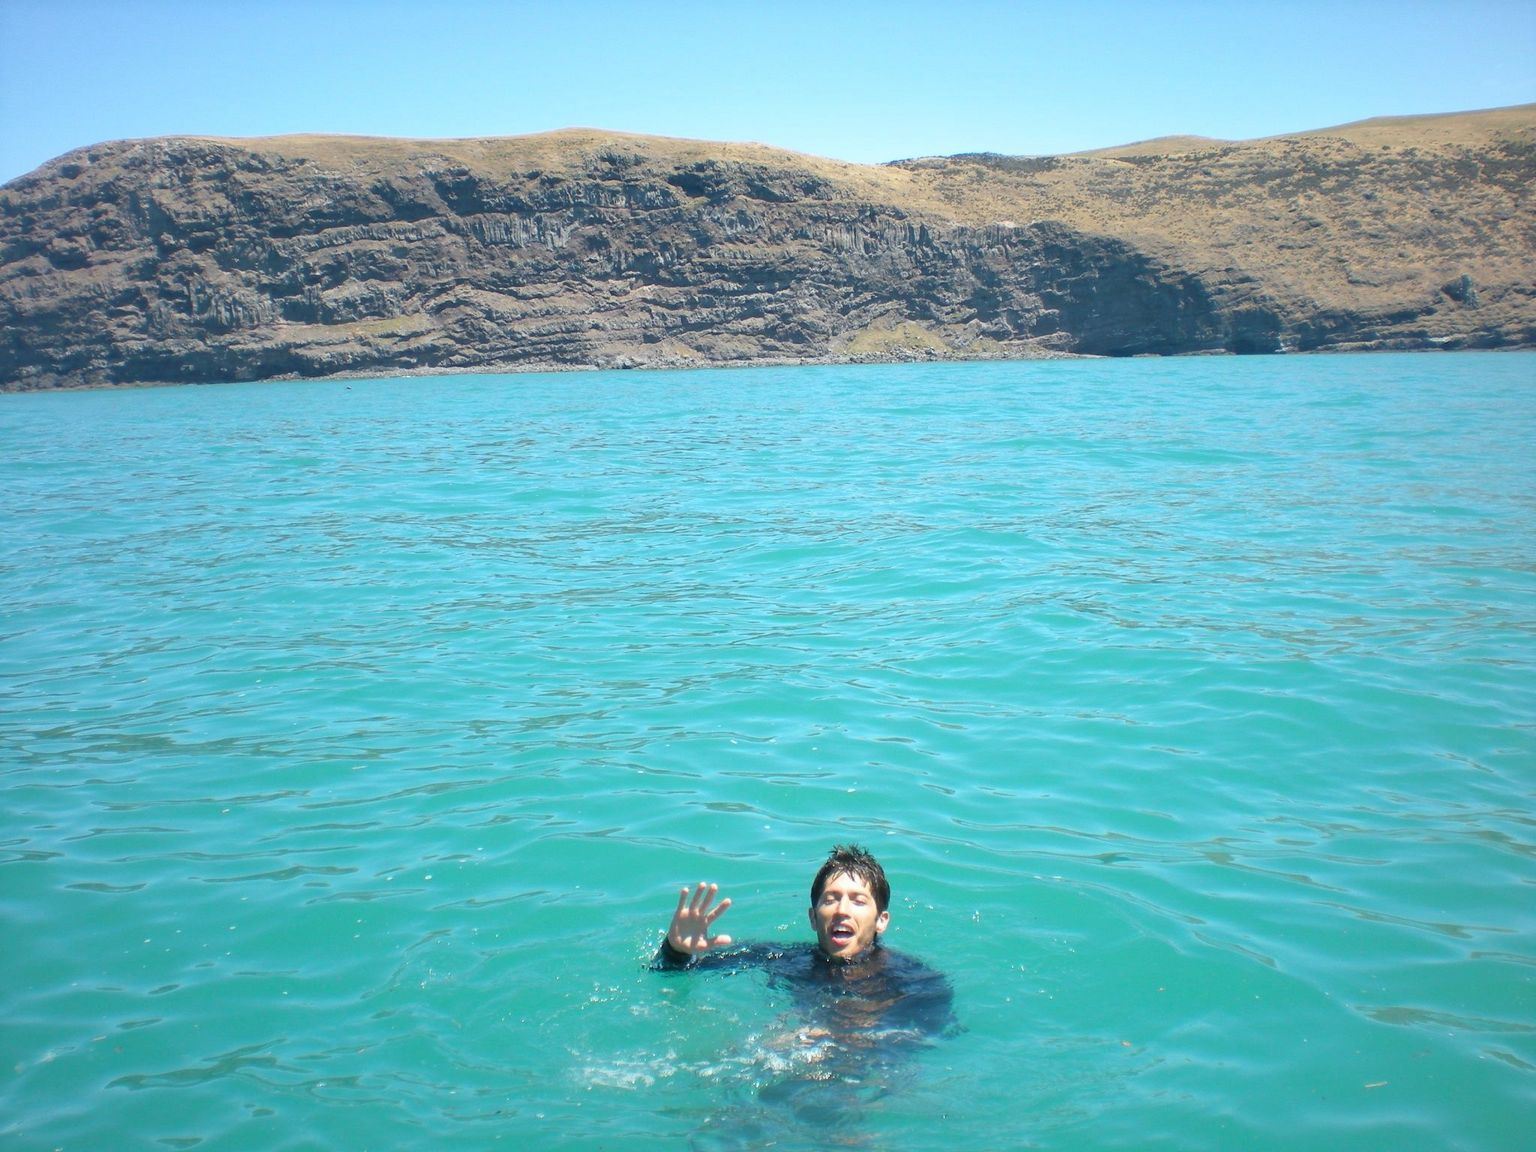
{"x": 702, "y": 895}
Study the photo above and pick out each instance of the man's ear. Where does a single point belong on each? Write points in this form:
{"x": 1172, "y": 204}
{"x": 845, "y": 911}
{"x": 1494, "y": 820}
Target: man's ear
{"x": 881, "y": 921}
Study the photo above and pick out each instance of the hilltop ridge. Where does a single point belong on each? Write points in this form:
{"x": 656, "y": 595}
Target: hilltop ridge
{"x": 199, "y": 258}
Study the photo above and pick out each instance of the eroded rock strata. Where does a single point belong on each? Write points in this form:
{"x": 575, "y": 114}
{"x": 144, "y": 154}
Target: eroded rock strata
{"x": 201, "y": 259}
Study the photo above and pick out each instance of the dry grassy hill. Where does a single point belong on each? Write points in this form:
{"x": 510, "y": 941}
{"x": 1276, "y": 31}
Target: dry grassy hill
{"x": 203, "y": 259}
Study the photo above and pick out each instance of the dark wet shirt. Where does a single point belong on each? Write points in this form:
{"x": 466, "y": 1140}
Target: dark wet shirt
{"x": 881, "y": 998}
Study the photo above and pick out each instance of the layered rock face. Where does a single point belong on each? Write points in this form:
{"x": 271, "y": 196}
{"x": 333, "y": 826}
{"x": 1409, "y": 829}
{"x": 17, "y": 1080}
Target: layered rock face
{"x": 198, "y": 259}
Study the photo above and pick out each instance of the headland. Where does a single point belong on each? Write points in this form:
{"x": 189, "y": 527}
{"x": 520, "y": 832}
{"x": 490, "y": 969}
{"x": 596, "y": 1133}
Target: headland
{"x": 201, "y": 259}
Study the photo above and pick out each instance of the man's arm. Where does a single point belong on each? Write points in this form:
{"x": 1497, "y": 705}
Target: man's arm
{"x": 688, "y": 934}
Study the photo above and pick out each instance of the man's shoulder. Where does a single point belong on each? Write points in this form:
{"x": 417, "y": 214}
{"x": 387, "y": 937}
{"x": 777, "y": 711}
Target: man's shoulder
{"x": 894, "y": 965}
{"x": 907, "y": 962}
{"x": 913, "y": 972}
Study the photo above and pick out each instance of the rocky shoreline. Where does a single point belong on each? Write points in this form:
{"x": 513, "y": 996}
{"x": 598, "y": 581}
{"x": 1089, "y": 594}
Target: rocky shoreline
{"x": 187, "y": 259}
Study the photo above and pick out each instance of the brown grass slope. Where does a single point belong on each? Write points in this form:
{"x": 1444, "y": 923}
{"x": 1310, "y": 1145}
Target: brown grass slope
{"x": 1403, "y": 231}
{"x": 206, "y": 259}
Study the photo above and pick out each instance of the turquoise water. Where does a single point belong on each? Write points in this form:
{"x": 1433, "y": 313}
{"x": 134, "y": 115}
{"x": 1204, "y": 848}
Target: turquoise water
{"x": 354, "y": 739}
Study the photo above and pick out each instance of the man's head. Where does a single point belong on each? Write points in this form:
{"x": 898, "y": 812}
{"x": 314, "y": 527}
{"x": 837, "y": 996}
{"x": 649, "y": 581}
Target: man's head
{"x": 849, "y": 898}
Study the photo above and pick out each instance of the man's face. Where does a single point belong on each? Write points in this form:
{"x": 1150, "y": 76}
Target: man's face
{"x": 845, "y": 918}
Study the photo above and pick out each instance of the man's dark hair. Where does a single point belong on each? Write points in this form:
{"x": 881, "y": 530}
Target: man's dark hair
{"x": 856, "y": 862}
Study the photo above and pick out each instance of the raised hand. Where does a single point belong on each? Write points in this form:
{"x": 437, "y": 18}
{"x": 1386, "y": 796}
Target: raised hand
{"x": 689, "y": 932}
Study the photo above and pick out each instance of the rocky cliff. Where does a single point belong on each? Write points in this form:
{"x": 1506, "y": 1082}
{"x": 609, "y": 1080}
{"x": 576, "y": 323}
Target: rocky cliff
{"x": 202, "y": 259}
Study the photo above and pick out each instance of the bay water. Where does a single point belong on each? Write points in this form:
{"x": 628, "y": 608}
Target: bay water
{"x": 356, "y": 737}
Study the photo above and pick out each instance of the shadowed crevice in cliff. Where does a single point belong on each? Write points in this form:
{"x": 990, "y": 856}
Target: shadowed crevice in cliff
{"x": 191, "y": 259}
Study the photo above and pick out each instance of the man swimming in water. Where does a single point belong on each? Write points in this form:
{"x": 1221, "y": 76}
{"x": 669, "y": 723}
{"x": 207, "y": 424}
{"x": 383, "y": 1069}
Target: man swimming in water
{"x": 850, "y": 989}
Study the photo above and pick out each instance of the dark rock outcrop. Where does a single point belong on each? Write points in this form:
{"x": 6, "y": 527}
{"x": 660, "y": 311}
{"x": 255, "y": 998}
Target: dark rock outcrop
{"x": 193, "y": 259}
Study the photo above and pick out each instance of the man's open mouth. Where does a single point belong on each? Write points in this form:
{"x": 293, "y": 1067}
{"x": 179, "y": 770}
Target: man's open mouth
{"x": 841, "y": 933}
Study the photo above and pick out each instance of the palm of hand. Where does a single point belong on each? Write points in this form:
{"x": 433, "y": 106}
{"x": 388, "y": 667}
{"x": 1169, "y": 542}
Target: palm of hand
{"x": 691, "y": 923}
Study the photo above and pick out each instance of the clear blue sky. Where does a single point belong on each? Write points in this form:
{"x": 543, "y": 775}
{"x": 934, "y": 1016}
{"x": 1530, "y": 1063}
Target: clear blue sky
{"x": 858, "y": 81}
